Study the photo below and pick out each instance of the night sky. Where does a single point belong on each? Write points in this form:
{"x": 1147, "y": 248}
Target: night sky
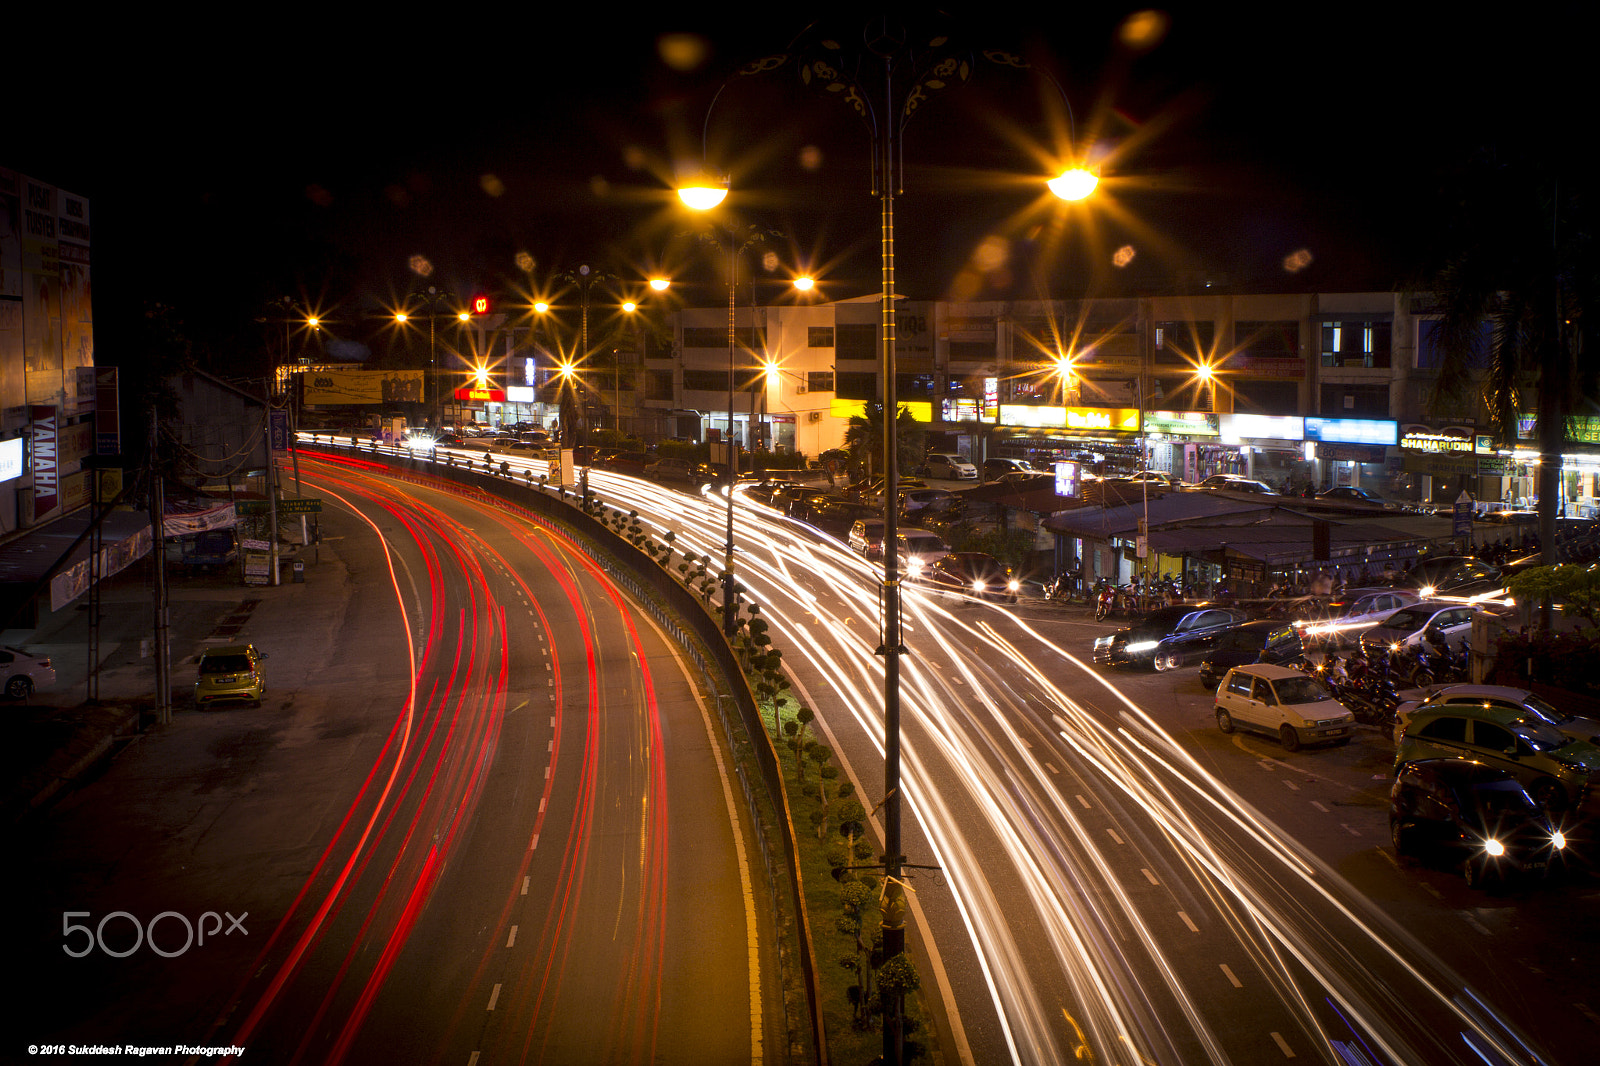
{"x": 1245, "y": 146}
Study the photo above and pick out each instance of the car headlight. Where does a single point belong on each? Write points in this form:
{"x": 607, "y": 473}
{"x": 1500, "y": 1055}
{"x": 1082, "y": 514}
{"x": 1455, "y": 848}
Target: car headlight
{"x": 1558, "y": 840}
{"x": 1102, "y": 642}
{"x": 1494, "y": 847}
{"x": 1014, "y": 586}
{"x": 977, "y": 586}
{"x": 1143, "y": 645}
{"x": 1427, "y": 591}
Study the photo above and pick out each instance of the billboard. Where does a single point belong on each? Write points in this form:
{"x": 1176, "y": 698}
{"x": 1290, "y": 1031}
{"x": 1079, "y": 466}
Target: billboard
{"x": 323, "y": 387}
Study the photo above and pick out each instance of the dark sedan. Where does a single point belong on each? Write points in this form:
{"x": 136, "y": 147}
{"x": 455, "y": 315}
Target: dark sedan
{"x": 972, "y": 575}
{"x": 1475, "y": 817}
{"x": 1168, "y": 637}
{"x": 835, "y": 516}
{"x": 1266, "y": 640}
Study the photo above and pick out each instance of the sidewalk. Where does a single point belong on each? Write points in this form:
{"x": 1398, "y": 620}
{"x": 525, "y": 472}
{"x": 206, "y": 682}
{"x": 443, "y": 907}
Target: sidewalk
{"x": 58, "y": 735}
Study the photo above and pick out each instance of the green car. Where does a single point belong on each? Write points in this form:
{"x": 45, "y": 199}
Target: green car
{"x": 1559, "y": 771}
{"x": 230, "y": 672}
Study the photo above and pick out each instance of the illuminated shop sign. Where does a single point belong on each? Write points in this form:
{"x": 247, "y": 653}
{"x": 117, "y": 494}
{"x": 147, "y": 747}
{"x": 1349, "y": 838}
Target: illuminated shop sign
{"x": 10, "y": 458}
{"x": 519, "y": 394}
{"x": 1182, "y": 423}
{"x": 1093, "y": 419}
{"x": 1237, "y": 427}
{"x": 1066, "y": 478}
{"x": 1352, "y": 430}
{"x": 1435, "y": 442}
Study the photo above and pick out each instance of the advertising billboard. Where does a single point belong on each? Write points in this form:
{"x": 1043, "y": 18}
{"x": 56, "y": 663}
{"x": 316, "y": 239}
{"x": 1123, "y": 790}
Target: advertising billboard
{"x": 327, "y": 387}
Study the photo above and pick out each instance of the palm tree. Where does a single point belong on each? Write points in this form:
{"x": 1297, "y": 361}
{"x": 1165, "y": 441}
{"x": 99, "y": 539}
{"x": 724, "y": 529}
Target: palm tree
{"x": 1511, "y": 298}
{"x": 863, "y": 439}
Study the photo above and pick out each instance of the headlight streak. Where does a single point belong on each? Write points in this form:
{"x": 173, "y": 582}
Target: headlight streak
{"x": 1268, "y": 837}
{"x": 1257, "y": 828}
{"x": 857, "y": 677}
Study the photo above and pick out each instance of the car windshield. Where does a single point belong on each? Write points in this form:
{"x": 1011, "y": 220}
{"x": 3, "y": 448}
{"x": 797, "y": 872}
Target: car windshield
{"x": 1293, "y": 690}
{"x": 225, "y": 664}
{"x": 1540, "y": 736}
{"x": 1497, "y": 797}
{"x": 1542, "y": 710}
{"x": 1409, "y": 617}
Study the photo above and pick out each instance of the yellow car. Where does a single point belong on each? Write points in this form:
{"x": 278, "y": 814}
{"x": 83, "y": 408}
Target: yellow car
{"x": 230, "y": 672}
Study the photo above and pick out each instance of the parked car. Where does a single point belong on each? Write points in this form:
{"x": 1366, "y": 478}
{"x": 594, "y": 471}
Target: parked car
{"x": 937, "y": 500}
{"x": 1168, "y": 636}
{"x": 1560, "y": 772}
{"x": 1477, "y": 818}
{"x": 835, "y": 516}
{"x": 1466, "y": 697}
{"x": 230, "y": 672}
{"x": 1027, "y": 479}
{"x": 866, "y": 537}
{"x": 1236, "y": 483}
{"x": 1352, "y": 494}
{"x": 24, "y": 673}
{"x": 871, "y": 490}
{"x": 1156, "y": 478}
{"x": 633, "y": 463}
{"x": 919, "y": 549}
{"x": 1284, "y": 703}
{"x": 1458, "y": 575}
{"x": 1264, "y": 640}
{"x": 974, "y": 575}
{"x": 949, "y": 467}
{"x": 1344, "y": 618}
{"x": 992, "y": 469}
{"x": 1406, "y": 626}
{"x": 677, "y": 471}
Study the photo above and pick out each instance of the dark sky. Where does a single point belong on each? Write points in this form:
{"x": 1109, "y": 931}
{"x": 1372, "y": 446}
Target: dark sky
{"x": 315, "y": 156}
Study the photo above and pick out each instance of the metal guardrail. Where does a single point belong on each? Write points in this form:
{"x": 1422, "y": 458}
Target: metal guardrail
{"x": 684, "y": 617}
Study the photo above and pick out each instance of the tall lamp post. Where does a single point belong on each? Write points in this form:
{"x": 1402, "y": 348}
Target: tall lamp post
{"x": 916, "y": 75}
{"x": 703, "y": 196}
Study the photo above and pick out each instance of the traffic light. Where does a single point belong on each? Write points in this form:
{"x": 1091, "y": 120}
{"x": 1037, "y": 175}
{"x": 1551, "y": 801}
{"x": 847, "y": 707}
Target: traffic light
{"x": 480, "y": 304}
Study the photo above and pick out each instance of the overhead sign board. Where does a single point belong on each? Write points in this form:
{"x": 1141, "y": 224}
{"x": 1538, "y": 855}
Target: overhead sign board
{"x": 1352, "y": 430}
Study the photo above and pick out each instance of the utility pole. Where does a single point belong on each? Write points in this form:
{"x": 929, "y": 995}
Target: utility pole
{"x": 158, "y": 539}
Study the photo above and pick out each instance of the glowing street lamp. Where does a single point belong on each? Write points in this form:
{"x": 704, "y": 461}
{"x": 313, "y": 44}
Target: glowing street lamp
{"x": 1075, "y": 183}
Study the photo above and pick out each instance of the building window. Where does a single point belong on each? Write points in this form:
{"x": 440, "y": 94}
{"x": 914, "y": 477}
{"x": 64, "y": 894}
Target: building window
{"x": 659, "y": 385}
{"x": 913, "y": 387}
{"x": 972, "y": 351}
{"x": 1354, "y": 401}
{"x": 1184, "y": 343}
{"x": 1430, "y": 350}
{"x": 856, "y": 342}
{"x": 1351, "y": 342}
{"x": 819, "y": 337}
{"x": 856, "y": 386}
{"x": 717, "y": 337}
{"x": 819, "y": 381}
{"x": 1267, "y": 340}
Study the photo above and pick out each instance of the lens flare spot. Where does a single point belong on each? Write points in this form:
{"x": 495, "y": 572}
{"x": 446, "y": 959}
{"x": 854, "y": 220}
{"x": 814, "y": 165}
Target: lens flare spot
{"x": 1123, "y": 256}
{"x": 1143, "y": 30}
{"x": 319, "y": 195}
{"x": 1297, "y": 261}
{"x": 525, "y": 262}
{"x": 811, "y": 157}
{"x": 492, "y": 185}
{"x": 992, "y": 254}
{"x": 682, "y": 51}
{"x": 634, "y": 157}
{"x": 769, "y": 261}
{"x": 600, "y": 186}
{"x": 420, "y": 266}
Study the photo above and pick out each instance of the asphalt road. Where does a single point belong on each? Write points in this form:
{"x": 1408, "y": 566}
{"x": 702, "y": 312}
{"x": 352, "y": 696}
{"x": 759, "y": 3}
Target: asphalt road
{"x": 1115, "y": 875}
{"x": 480, "y": 817}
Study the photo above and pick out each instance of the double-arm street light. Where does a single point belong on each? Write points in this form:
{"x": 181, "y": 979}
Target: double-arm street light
{"x": 909, "y": 77}
{"x": 431, "y": 299}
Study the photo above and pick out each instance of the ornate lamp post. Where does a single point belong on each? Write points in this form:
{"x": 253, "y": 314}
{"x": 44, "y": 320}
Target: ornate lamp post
{"x": 908, "y": 77}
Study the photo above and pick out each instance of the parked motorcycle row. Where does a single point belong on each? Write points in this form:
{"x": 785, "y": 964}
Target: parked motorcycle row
{"x": 1370, "y": 688}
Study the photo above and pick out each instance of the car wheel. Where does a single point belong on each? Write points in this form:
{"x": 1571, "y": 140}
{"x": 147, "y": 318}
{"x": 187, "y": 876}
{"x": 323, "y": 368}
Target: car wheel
{"x": 1423, "y": 680}
{"x": 1475, "y": 873}
{"x": 1289, "y": 738}
{"x": 19, "y": 687}
{"x": 1400, "y": 835}
{"x": 1161, "y": 661}
{"x": 1548, "y": 794}
{"x": 1224, "y": 721}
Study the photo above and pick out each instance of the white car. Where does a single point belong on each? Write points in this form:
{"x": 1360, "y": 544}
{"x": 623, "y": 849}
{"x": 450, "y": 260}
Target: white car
{"x": 23, "y": 673}
{"x": 949, "y": 467}
{"x": 1283, "y": 703}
